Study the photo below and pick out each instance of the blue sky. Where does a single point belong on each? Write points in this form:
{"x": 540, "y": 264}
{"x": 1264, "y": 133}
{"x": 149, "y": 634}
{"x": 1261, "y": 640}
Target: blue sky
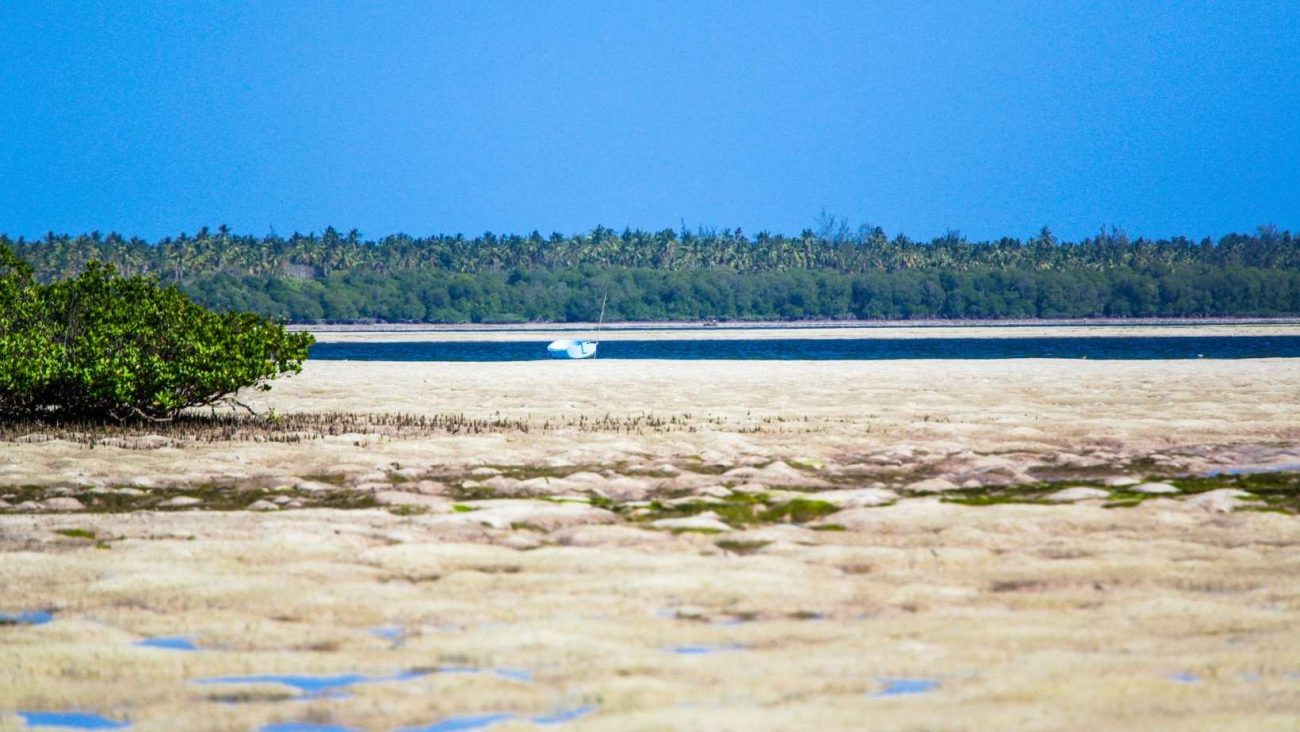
{"x": 994, "y": 118}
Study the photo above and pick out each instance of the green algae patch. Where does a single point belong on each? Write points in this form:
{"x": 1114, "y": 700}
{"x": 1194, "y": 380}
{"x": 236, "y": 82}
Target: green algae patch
{"x": 741, "y": 546}
{"x": 738, "y": 510}
{"x": 76, "y": 533}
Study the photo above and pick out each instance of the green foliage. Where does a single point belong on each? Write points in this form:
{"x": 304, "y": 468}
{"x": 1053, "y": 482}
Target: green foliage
{"x": 101, "y": 346}
{"x": 669, "y": 275}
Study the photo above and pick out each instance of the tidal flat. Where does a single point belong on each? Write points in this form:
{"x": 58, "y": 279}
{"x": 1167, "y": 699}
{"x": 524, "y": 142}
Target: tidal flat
{"x": 1038, "y": 544}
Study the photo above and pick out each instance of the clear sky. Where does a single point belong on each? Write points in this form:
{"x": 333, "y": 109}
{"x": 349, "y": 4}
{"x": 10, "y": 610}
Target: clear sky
{"x": 988, "y": 117}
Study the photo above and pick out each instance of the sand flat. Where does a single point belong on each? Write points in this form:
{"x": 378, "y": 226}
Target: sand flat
{"x": 516, "y": 551}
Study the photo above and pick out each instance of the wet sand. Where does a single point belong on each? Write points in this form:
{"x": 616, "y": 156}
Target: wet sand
{"x": 547, "y": 544}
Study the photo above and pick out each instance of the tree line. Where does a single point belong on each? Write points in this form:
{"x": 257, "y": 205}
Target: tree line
{"x": 831, "y": 272}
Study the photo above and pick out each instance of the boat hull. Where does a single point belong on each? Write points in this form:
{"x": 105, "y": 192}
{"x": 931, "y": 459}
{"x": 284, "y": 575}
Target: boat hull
{"x": 570, "y": 350}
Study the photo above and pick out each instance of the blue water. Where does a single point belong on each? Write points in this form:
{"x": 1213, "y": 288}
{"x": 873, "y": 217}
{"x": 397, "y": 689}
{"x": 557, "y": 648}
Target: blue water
{"x": 902, "y": 687}
{"x": 564, "y": 715}
{"x": 836, "y": 349}
{"x": 466, "y": 722}
{"x": 29, "y": 617}
{"x": 462, "y": 723}
{"x": 313, "y": 685}
{"x": 704, "y": 650}
{"x": 71, "y": 720}
{"x": 170, "y": 643}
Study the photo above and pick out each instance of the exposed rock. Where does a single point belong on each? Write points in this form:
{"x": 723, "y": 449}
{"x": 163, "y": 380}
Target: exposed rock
{"x": 401, "y": 498}
{"x": 568, "y": 498}
{"x": 181, "y": 502}
{"x": 932, "y": 485}
{"x": 692, "y": 501}
{"x": 542, "y": 515}
{"x": 521, "y": 541}
{"x": 623, "y": 488}
{"x": 690, "y": 482}
{"x": 429, "y": 488}
{"x": 62, "y": 503}
{"x": 857, "y": 498}
{"x": 613, "y": 535}
{"x": 1223, "y": 500}
{"x": 281, "y": 500}
{"x": 1121, "y": 481}
{"x": 1077, "y": 493}
{"x": 779, "y": 473}
{"x": 716, "y": 491}
{"x": 484, "y": 471}
{"x": 27, "y": 506}
{"x": 263, "y": 505}
{"x": 370, "y": 476}
{"x": 371, "y": 487}
{"x": 313, "y": 486}
{"x": 1154, "y": 488}
{"x": 4, "y": 503}
{"x": 498, "y": 484}
{"x": 707, "y": 521}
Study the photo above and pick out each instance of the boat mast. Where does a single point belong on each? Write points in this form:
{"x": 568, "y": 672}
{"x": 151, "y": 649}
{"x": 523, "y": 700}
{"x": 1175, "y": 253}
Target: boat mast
{"x": 600, "y": 322}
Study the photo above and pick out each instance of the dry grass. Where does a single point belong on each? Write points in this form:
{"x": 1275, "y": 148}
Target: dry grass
{"x": 957, "y": 594}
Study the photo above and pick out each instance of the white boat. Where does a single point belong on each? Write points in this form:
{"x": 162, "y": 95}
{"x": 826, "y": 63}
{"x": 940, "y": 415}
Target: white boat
{"x": 571, "y": 349}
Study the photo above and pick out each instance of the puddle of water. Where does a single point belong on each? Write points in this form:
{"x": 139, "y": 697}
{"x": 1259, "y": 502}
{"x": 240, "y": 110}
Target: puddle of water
{"x": 704, "y": 650}
{"x": 391, "y": 632}
{"x": 1257, "y": 469}
{"x": 463, "y": 722}
{"x": 313, "y": 685}
{"x": 903, "y": 687}
{"x": 29, "y": 617}
{"x": 514, "y": 674}
{"x": 71, "y": 720}
{"x": 1185, "y": 677}
{"x": 563, "y": 716}
{"x": 305, "y": 727}
{"x": 170, "y": 643}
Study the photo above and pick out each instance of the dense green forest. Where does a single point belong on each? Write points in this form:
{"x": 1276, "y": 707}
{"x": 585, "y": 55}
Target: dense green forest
{"x": 831, "y": 272}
